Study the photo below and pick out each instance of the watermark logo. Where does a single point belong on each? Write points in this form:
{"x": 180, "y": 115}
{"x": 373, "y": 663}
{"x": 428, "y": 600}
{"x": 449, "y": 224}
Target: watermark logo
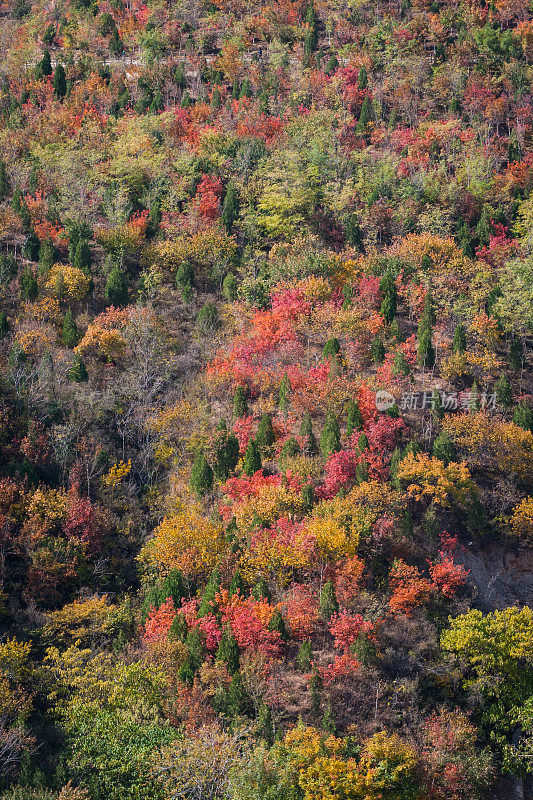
{"x": 384, "y": 400}
{"x": 449, "y": 401}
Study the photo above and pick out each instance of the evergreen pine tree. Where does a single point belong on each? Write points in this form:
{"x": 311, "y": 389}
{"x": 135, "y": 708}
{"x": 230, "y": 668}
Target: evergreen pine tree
{"x": 504, "y": 395}
{"x": 116, "y": 290}
{"x": 483, "y": 227}
{"x": 207, "y": 604}
{"x": 437, "y": 410}
{"x": 227, "y": 456}
{"x": 283, "y": 393}
{"x": 364, "y": 116}
{"x": 395, "y": 461}
{"x": 308, "y": 496}
{"x": 265, "y": 436}
{"x": 331, "y": 66}
{"x": 316, "y": 687}
{"x": 69, "y": 334}
{"x": 330, "y": 438}
{"x": 390, "y": 297}
{"x": 427, "y": 319}
{"x": 201, "y": 478}
{"x": 240, "y": 406}
{"x": 252, "y": 459}
{"x": 516, "y": 353}
{"x": 265, "y": 726}
{"x": 4, "y": 180}
{"x": 306, "y": 433}
{"x": 236, "y": 584}
{"x": 82, "y": 256}
{"x": 230, "y": 207}
{"x": 261, "y": 590}
{"x": 277, "y": 623}
{"x": 46, "y": 64}
{"x": 426, "y": 353}
{"x": 246, "y": 89}
{"x": 377, "y": 350}
{"x": 304, "y": 657}
{"x": 59, "y": 82}
{"x": 400, "y": 365}
{"x": 47, "y": 253}
{"x": 16, "y": 200}
{"x": 362, "y": 79}
{"x": 362, "y": 443}
{"x": 354, "y": 418}
{"x": 523, "y": 417}
{"x": 459, "y": 339}
{"x": 328, "y": 720}
{"x": 32, "y": 247}
{"x": 4, "y": 325}
{"x": 443, "y": 448}
{"x": 290, "y": 449}
{"x": 77, "y": 372}
{"x": 328, "y": 601}
{"x": 228, "y": 651}
{"x": 237, "y": 699}
{"x": 29, "y": 288}
{"x": 354, "y": 235}
{"x": 331, "y": 348}
{"x": 229, "y": 288}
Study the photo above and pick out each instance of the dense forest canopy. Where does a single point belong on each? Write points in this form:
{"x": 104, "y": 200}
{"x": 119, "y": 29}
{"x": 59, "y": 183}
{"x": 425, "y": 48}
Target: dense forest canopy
{"x": 266, "y": 407}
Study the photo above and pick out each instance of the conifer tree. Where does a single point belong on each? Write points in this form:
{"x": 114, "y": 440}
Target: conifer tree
{"x": 116, "y": 290}
{"x": 377, "y": 350}
{"x": 277, "y": 623}
{"x": 316, "y": 687}
{"x": 47, "y": 253}
{"x": 82, "y": 256}
{"x": 390, "y": 297}
{"x": 331, "y": 348}
{"x": 426, "y": 353}
{"x": 29, "y": 288}
{"x": 46, "y": 64}
{"x": 261, "y": 590}
{"x": 328, "y": 601}
{"x": 504, "y": 395}
{"x": 229, "y": 288}
{"x": 236, "y": 584}
{"x": 283, "y": 393}
{"x": 59, "y": 82}
{"x": 459, "y": 339}
{"x": 305, "y": 654}
{"x": 328, "y": 720}
{"x": 330, "y": 438}
{"x": 240, "y": 406}
{"x": 208, "y": 605}
{"x": 77, "y": 372}
{"x": 4, "y": 325}
{"x": 201, "y": 478}
{"x": 227, "y": 456}
{"x": 252, "y": 459}
{"x": 230, "y": 207}
{"x": 69, "y": 334}
{"x": 354, "y": 418}
{"x": 308, "y": 436}
{"x": 228, "y": 651}
{"x": 443, "y": 448}
{"x": 523, "y": 417}
{"x": 4, "y": 180}
{"x": 265, "y": 726}
{"x": 265, "y": 436}
{"x": 364, "y": 116}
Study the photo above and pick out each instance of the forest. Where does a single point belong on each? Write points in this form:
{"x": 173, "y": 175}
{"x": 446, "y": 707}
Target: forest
{"x": 266, "y": 400}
